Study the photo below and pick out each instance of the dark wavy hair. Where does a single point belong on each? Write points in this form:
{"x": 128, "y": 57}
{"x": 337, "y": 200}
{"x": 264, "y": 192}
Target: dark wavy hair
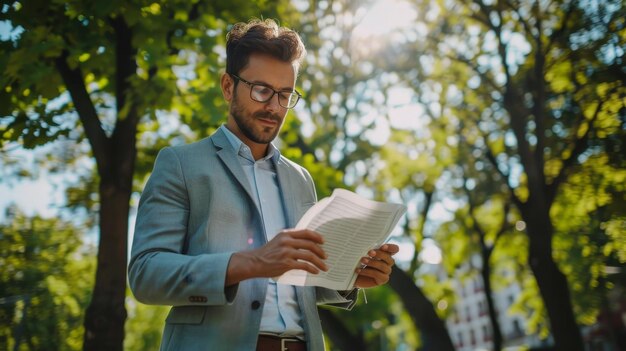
{"x": 265, "y": 37}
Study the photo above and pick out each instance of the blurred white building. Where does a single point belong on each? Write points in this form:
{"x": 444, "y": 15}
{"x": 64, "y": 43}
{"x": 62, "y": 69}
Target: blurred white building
{"x": 469, "y": 325}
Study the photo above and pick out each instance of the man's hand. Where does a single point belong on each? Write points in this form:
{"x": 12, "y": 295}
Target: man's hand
{"x": 377, "y": 268}
{"x": 289, "y": 249}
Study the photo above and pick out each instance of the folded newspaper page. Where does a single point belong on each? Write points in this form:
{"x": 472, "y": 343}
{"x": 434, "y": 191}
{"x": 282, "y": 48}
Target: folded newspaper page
{"x": 351, "y": 226}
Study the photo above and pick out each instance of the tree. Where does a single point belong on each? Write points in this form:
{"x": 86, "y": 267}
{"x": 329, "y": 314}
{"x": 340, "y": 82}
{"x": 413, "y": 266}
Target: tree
{"x": 480, "y": 214}
{"x": 144, "y": 326}
{"x": 540, "y": 86}
{"x": 110, "y": 69}
{"x": 347, "y": 114}
{"x": 45, "y": 281}
{"x": 404, "y": 166}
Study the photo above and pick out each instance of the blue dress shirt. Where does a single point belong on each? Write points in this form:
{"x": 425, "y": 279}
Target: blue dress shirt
{"x": 281, "y": 314}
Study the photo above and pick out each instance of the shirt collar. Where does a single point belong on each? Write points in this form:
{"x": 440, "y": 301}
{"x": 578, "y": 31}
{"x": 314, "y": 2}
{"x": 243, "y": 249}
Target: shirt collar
{"x": 242, "y": 149}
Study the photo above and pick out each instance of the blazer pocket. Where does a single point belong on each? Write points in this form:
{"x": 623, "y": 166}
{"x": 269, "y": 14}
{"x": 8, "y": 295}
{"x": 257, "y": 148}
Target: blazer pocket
{"x": 186, "y": 315}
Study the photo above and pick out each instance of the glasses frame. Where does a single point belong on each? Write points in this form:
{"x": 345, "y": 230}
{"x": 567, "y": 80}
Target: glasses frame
{"x": 274, "y": 92}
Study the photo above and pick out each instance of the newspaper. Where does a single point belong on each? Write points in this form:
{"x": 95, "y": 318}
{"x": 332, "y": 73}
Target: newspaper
{"x": 351, "y": 226}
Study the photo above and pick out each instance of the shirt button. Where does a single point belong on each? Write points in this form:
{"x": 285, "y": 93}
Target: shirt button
{"x": 255, "y": 305}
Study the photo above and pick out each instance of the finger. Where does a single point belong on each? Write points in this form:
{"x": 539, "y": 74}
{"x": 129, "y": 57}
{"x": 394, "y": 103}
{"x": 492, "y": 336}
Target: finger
{"x": 392, "y": 249}
{"x": 306, "y": 234}
{"x": 311, "y": 259}
{"x": 377, "y": 276}
{"x": 305, "y": 266}
{"x": 309, "y": 246}
{"x": 377, "y": 264}
{"x": 382, "y": 255}
{"x": 365, "y": 282}
{"x": 296, "y": 240}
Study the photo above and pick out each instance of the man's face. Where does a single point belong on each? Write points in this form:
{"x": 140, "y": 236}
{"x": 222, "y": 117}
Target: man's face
{"x": 259, "y": 122}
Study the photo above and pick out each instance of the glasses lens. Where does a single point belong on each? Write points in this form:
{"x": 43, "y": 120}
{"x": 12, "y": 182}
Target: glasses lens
{"x": 288, "y": 100}
{"x": 261, "y": 93}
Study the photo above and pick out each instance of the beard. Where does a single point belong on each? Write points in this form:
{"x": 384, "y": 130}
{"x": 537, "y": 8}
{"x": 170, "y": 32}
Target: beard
{"x": 246, "y": 123}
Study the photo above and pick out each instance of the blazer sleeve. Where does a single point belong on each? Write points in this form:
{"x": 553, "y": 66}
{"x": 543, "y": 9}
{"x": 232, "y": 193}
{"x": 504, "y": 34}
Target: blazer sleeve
{"x": 160, "y": 272}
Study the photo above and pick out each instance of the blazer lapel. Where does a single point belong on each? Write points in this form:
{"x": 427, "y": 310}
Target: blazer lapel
{"x": 287, "y": 192}
{"x": 229, "y": 158}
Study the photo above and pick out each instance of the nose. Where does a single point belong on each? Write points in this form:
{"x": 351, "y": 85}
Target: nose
{"x": 273, "y": 105}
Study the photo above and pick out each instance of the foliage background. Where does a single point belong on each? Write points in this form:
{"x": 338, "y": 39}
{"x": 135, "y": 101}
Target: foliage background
{"x": 419, "y": 115}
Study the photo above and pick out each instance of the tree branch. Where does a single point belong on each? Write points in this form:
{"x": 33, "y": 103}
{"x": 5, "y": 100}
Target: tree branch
{"x": 420, "y": 229}
{"x": 125, "y": 68}
{"x": 483, "y": 75}
{"x": 472, "y": 207}
{"x": 501, "y": 46}
{"x": 505, "y": 177}
{"x": 505, "y": 223}
{"x": 193, "y": 14}
{"x": 492, "y": 159}
{"x": 483, "y": 15}
{"x": 540, "y": 99}
{"x": 482, "y": 19}
{"x": 556, "y": 35}
{"x": 525, "y": 24}
{"x": 580, "y": 145}
{"x": 517, "y": 112}
{"x": 75, "y": 85}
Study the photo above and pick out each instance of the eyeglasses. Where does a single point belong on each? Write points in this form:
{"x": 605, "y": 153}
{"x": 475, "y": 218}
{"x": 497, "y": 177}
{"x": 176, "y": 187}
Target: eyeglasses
{"x": 263, "y": 93}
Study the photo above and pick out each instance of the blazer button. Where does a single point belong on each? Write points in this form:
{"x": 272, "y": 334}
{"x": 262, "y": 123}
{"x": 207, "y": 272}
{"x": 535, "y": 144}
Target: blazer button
{"x": 255, "y": 305}
{"x": 198, "y": 299}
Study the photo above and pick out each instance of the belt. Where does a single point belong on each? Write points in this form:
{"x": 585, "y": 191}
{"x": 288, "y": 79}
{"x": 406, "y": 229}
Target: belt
{"x": 276, "y": 343}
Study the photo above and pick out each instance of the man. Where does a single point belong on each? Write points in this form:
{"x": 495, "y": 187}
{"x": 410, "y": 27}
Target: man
{"x": 211, "y": 224}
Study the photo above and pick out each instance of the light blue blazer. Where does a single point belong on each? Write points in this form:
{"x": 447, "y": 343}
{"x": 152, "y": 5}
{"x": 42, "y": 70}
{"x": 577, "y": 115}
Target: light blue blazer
{"x": 195, "y": 211}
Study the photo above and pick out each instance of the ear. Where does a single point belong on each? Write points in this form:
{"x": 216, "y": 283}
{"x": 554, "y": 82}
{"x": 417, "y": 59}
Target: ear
{"x": 227, "y": 84}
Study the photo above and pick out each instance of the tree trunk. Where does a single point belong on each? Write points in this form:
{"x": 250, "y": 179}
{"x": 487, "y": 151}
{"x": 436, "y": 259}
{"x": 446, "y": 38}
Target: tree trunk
{"x": 485, "y": 272}
{"x": 340, "y": 336}
{"x": 433, "y": 330}
{"x": 552, "y": 283}
{"x": 106, "y": 314}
